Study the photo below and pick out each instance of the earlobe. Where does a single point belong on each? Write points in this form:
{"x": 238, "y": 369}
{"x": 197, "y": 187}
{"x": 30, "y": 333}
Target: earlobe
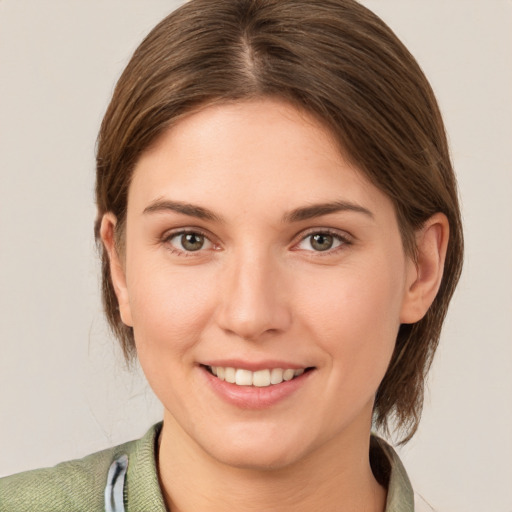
{"x": 426, "y": 273}
{"x": 117, "y": 270}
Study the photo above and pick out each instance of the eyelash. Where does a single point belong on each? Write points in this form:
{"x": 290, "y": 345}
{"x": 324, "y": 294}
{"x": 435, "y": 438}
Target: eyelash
{"x": 168, "y": 237}
{"x": 344, "y": 240}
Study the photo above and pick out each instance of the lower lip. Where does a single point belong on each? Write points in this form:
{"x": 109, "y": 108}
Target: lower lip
{"x": 253, "y": 397}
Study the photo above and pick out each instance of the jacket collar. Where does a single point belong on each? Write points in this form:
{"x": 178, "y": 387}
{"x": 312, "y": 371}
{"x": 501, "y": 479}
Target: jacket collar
{"x": 142, "y": 488}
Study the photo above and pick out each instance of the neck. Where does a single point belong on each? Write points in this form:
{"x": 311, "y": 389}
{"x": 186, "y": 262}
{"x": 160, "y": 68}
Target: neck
{"x": 192, "y": 480}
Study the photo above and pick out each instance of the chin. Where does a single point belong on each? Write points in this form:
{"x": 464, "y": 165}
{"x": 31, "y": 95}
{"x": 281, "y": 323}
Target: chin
{"x": 260, "y": 450}
{"x": 257, "y": 458}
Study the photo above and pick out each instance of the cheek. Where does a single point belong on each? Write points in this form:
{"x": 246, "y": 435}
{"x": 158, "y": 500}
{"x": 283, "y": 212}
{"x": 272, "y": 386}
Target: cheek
{"x": 169, "y": 312}
{"x": 354, "y": 314}
{"x": 169, "y": 308}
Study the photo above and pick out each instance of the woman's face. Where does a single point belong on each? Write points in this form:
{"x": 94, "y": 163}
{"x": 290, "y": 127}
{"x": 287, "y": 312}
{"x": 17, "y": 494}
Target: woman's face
{"x": 256, "y": 252}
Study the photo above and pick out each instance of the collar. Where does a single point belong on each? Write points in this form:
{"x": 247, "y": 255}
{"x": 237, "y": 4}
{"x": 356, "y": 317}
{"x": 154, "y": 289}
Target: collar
{"x": 390, "y": 472}
{"x": 132, "y": 480}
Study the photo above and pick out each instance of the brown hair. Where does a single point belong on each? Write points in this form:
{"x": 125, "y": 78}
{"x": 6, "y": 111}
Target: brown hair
{"x": 334, "y": 59}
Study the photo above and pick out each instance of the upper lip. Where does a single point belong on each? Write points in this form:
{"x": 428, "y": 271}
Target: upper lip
{"x": 254, "y": 366}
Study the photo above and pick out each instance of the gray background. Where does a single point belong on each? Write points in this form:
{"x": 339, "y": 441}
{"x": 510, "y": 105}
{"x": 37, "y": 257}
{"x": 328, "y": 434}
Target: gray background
{"x": 64, "y": 391}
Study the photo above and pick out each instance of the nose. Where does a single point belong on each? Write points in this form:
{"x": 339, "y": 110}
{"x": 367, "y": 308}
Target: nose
{"x": 255, "y": 299}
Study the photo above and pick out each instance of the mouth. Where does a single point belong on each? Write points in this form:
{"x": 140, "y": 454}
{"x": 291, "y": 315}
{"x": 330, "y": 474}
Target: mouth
{"x": 260, "y": 378}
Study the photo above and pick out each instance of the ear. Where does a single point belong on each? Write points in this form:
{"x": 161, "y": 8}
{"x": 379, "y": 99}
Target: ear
{"x": 425, "y": 274}
{"x": 117, "y": 270}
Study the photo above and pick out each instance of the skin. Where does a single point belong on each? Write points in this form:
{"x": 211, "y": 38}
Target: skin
{"x": 259, "y": 290}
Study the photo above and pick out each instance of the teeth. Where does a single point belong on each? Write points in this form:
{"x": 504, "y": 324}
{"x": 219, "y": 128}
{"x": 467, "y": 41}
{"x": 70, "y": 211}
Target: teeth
{"x": 243, "y": 378}
{"x": 288, "y": 375}
{"x": 260, "y": 378}
{"x": 230, "y": 375}
{"x": 276, "y": 376}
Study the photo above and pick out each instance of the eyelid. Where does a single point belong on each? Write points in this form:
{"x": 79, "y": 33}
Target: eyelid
{"x": 344, "y": 237}
{"x": 173, "y": 233}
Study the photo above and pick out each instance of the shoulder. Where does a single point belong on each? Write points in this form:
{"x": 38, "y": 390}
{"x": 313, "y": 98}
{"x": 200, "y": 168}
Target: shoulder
{"x": 74, "y": 485}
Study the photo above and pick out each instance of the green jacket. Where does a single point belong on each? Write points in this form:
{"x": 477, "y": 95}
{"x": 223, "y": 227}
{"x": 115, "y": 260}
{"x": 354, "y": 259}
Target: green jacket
{"x": 97, "y": 482}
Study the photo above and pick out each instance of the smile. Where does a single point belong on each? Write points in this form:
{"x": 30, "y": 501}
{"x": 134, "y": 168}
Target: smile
{"x": 260, "y": 378}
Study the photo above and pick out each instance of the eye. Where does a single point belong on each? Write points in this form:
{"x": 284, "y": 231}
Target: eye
{"x": 189, "y": 241}
{"x": 321, "y": 242}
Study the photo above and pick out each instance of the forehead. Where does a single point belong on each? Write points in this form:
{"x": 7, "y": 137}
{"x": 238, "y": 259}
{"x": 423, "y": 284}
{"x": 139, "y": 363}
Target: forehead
{"x": 248, "y": 153}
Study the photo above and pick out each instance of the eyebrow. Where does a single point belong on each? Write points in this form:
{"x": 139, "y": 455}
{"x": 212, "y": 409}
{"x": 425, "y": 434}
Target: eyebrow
{"x": 162, "y": 205}
{"x": 317, "y": 210}
{"x": 296, "y": 215}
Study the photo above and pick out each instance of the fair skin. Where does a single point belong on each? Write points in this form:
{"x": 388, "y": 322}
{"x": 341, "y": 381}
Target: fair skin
{"x": 253, "y": 246}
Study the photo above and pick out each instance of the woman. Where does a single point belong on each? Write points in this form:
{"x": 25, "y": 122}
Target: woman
{"x": 280, "y": 238}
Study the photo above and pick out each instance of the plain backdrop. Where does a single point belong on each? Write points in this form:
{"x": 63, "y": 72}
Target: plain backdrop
{"x": 64, "y": 389}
